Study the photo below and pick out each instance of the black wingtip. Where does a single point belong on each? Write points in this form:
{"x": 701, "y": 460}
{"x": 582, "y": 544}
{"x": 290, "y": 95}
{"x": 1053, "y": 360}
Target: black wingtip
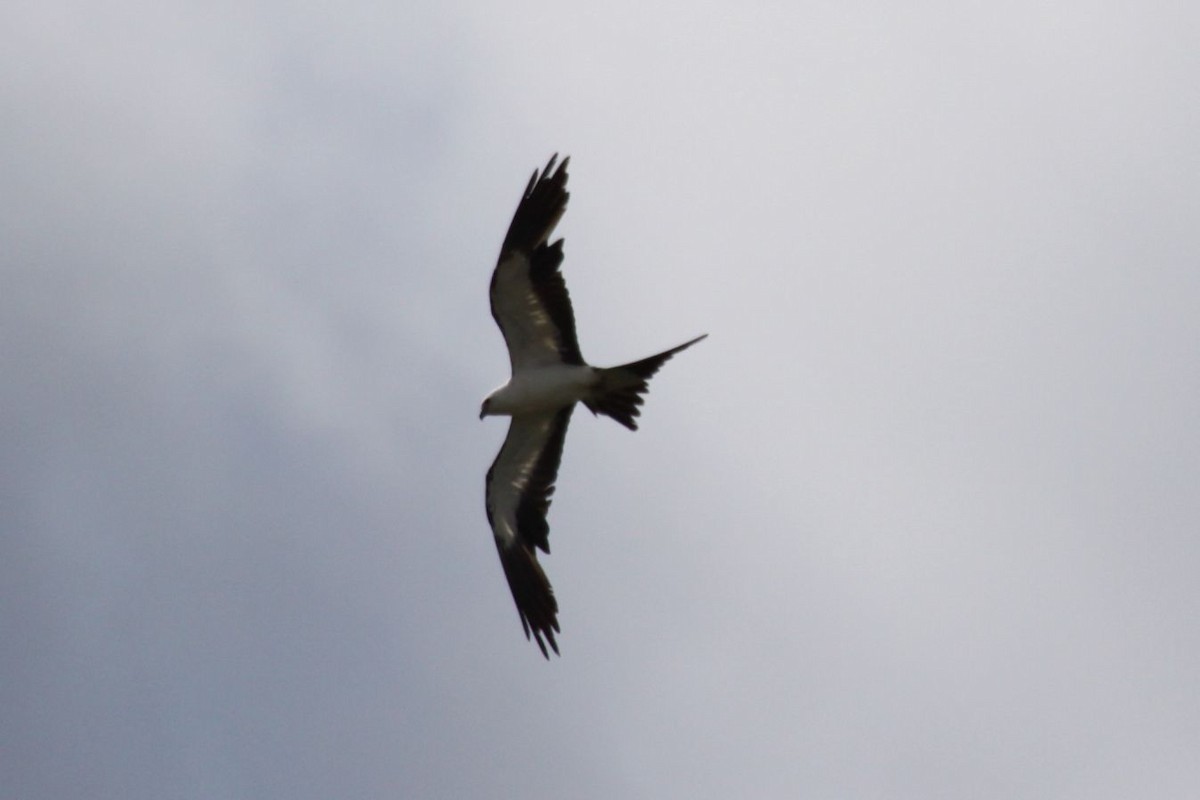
{"x": 542, "y": 644}
{"x": 542, "y": 204}
{"x": 548, "y": 633}
{"x": 545, "y": 172}
{"x": 533, "y": 595}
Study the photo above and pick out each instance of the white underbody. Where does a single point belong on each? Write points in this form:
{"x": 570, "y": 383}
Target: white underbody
{"x": 542, "y": 389}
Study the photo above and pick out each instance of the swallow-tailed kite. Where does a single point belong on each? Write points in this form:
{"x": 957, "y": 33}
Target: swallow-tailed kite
{"x": 549, "y": 376}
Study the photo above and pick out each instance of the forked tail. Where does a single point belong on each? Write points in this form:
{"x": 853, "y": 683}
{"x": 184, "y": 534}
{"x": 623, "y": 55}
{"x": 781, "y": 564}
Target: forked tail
{"x": 620, "y": 390}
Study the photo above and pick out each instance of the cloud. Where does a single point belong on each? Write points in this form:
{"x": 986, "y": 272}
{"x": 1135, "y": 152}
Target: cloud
{"x": 916, "y": 520}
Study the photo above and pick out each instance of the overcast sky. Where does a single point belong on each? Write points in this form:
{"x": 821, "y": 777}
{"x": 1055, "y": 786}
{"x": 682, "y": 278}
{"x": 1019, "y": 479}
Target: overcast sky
{"x": 920, "y": 519}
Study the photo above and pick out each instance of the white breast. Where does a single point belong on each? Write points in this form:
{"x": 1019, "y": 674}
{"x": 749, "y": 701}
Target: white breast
{"x": 545, "y": 389}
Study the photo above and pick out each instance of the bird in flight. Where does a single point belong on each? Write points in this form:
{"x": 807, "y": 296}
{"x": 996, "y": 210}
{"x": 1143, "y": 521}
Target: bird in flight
{"x": 531, "y": 305}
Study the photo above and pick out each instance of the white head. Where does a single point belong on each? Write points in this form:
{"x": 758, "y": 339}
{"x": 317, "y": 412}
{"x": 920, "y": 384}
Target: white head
{"x": 493, "y": 404}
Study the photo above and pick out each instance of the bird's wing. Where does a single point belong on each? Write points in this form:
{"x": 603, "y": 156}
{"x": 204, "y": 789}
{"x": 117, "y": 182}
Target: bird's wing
{"x": 519, "y": 485}
{"x": 529, "y": 298}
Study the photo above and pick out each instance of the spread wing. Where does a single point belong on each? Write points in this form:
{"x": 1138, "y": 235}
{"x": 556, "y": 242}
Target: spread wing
{"x": 519, "y": 485}
{"x": 529, "y": 298}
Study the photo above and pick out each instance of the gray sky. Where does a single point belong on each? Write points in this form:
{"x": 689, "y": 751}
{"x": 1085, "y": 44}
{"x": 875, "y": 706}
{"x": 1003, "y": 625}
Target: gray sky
{"x": 919, "y": 520}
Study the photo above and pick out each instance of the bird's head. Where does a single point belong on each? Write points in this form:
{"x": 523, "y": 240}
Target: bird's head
{"x": 497, "y": 404}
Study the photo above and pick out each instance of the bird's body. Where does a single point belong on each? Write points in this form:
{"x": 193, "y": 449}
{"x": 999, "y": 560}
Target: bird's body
{"x": 543, "y": 389}
{"x": 531, "y": 305}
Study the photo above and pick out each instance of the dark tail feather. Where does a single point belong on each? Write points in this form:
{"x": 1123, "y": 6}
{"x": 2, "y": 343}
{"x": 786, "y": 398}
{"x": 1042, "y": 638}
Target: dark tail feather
{"x": 620, "y": 390}
{"x": 532, "y": 593}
